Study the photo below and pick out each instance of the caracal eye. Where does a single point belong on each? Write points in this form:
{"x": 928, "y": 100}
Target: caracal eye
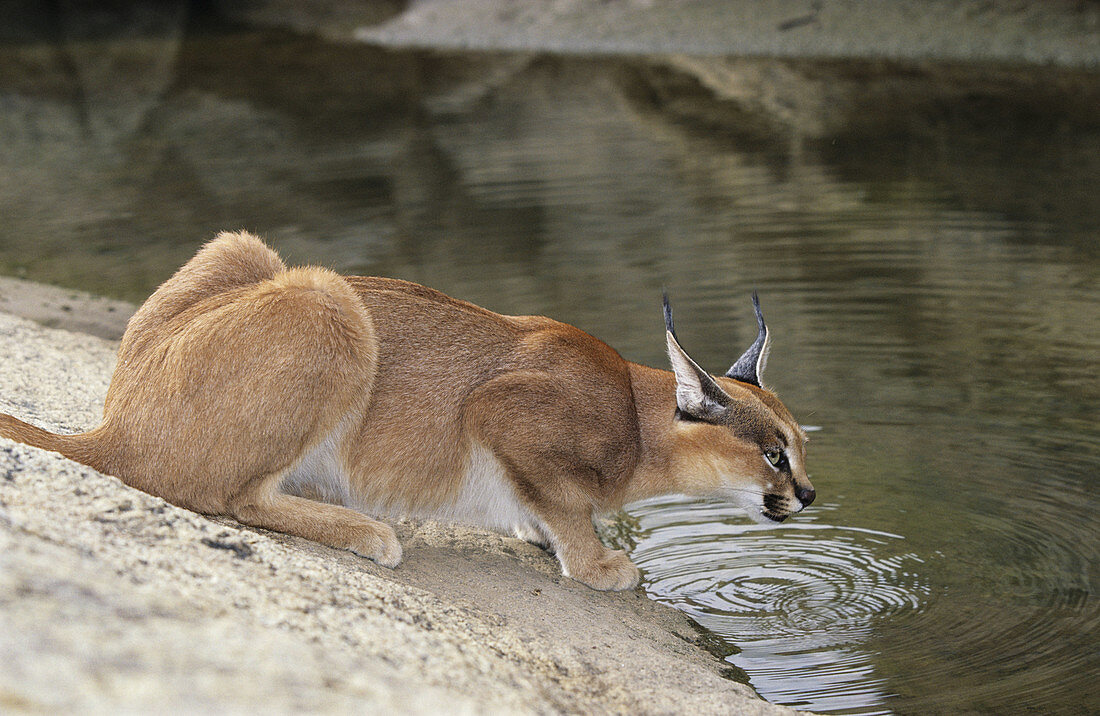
{"x": 774, "y": 456}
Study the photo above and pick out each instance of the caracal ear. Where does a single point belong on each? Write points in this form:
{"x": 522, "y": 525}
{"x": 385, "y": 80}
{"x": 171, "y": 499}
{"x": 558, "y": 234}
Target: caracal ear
{"x": 749, "y": 368}
{"x": 697, "y": 394}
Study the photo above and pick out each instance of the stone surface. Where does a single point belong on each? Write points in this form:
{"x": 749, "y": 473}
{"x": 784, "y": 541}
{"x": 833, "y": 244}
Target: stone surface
{"x": 70, "y": 309}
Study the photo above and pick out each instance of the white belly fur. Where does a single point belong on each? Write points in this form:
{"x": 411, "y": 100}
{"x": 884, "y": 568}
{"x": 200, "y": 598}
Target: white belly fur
{"x": 486, "y": 498}
{"x": 320, "y": 473}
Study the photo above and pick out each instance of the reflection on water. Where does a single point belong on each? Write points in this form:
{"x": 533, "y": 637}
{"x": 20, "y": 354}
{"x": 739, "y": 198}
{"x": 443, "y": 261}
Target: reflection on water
{"x": 924, "y": 241}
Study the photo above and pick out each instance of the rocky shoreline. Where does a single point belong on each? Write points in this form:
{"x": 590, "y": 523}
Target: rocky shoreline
{"x": 113, "y": 600}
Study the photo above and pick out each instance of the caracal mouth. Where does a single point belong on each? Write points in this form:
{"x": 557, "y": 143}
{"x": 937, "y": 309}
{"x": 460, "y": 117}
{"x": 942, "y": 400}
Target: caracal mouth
{"x": 759, "y": 510}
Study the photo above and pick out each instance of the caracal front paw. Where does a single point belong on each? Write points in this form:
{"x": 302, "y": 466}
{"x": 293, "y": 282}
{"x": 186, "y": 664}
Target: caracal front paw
{"x": 378, "y": 542}
{"x": 613, "y": 571}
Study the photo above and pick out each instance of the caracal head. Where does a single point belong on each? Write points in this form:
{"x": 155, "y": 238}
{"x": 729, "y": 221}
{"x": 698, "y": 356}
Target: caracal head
{"x": 736, "y": 440}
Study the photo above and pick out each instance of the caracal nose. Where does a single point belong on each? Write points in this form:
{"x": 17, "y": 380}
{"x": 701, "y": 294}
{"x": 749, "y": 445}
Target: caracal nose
{"x": 805, "y": 495}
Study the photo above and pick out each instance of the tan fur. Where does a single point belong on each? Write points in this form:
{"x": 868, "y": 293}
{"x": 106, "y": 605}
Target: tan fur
{"x": 284, "y": 397}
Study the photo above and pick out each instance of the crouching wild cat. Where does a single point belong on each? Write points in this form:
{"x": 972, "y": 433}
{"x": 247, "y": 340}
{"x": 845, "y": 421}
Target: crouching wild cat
{"x": 302, "y": 401}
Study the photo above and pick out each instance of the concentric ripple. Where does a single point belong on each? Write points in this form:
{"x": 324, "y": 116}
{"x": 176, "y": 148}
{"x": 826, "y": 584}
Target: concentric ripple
{"x": 797, "y": 601}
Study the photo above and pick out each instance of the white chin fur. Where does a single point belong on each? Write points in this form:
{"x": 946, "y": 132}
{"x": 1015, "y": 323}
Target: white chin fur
{"x": 753, "y": 505}
{"x": 758, "y": 517}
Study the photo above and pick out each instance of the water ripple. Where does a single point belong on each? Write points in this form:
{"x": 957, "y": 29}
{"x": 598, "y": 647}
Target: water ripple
{"x": 797, "y": 601}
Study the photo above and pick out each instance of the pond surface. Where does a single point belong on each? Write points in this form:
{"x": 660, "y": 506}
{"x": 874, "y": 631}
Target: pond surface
{"x": 924, "y": 241}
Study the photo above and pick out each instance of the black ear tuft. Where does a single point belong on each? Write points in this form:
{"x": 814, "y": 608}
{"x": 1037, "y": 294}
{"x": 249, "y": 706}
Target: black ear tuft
{"x": 750, "y": 365}
{"x": 668, "y": 315}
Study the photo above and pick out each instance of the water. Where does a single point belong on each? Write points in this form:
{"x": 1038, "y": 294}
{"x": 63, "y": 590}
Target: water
{"x": 924, "y": 242}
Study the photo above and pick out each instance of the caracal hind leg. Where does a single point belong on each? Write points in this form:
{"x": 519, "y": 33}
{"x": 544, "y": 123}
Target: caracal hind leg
{"x": 264, "y": 506}
{"x": 243, "y": 385}
{"x": 312, "y": 355}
